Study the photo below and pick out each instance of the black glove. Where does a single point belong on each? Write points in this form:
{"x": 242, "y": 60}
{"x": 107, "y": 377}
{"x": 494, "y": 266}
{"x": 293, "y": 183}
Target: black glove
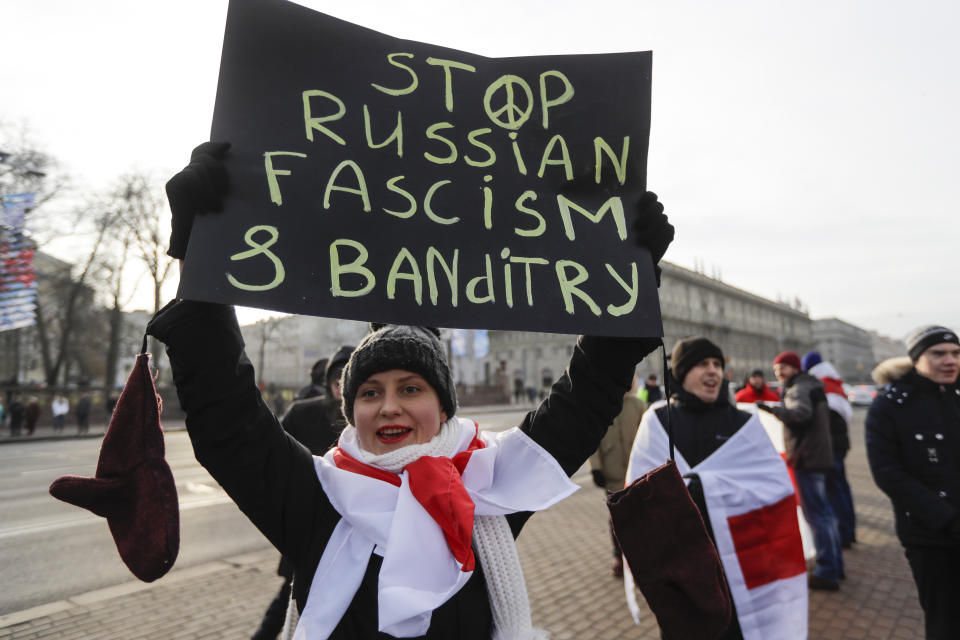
{"x": 652, "y": 229}
{"x": 198, "y": 188}
{"x": 599, "y": 479}
{"x": 764, "y": 407}
{"x": 954, "y": 527}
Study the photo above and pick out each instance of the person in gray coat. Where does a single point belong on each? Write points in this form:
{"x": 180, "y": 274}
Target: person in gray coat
{"x": 806, "y": 418}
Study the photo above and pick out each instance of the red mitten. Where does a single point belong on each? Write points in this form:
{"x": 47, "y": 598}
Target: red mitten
{"x": 671, "y": 557}
{"x": 133, "y": 488}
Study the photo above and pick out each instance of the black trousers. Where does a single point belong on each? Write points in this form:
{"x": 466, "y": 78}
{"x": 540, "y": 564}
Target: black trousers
{"x": 276, "y": 614}
{"x": 937, "y": 574}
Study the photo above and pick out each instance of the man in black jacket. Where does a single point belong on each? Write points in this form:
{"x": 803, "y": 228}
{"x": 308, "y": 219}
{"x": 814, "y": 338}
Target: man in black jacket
{"x": 809, "y": 451}
{"x": 913, "y": 445}
{"x": 316, "y": 387}
{"x": 651, "y": 390}
{"x": 702, "y": 418}
{"x": 317, "y": 422}
{"x": 17, "y": 411}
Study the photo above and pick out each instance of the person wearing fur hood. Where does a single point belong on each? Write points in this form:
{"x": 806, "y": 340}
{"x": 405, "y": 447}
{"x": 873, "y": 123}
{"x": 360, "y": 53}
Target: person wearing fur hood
{"x": 913, "y": 446}
{"x": 406, "y": 528}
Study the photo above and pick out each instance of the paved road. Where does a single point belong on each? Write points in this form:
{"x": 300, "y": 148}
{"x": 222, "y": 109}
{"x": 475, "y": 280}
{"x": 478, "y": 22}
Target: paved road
{"x": 51, "y": 550}
{"x": 565, "y": 555}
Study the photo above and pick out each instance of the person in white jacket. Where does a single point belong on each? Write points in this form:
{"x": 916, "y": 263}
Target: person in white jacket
{"x": 60, "y": 407}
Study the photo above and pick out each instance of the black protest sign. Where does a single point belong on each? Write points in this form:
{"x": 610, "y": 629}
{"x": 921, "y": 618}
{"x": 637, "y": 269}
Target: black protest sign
{"x": 381, "y": 179}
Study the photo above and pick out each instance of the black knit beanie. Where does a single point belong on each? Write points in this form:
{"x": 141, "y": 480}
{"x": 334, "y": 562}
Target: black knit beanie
{"x": 919, "y": 340}
{"x": 336, "y": 363}
{"x": 394, "y": 346}
{"x": 318, "y": 371}
{"x": 687, "y": 353}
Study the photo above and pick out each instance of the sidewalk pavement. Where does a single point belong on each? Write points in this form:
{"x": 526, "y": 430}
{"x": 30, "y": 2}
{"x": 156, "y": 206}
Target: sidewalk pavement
{"x": 565, "y": 553}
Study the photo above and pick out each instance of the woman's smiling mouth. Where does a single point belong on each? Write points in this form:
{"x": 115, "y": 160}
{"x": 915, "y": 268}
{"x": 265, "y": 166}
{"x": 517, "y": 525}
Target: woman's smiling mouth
{"x": 393, "y": 433}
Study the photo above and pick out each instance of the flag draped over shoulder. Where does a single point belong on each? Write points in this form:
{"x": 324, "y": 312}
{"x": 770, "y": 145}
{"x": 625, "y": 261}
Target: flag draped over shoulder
{"x": 833, "y": 387}
{"x": 753, "y": 514}
{"x": 382, "y": 513}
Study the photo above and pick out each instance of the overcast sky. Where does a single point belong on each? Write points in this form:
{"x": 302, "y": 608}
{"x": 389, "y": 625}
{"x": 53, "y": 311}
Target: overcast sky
{"x": 806, "y": 149}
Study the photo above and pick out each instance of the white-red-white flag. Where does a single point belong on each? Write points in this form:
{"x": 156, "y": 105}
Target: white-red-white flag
{"x": 753, "y": 513}
{"x": 833, "y": 387}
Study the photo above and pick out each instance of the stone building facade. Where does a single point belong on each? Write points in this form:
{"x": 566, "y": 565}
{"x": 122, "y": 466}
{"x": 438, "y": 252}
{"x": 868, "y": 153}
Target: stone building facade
{"x": 21, "y": 350}
{"x": 527, "y": 363}
{"x": 284, "y": 348}
{"x": 885, "y": 347}
{"x": 751, "y": 330}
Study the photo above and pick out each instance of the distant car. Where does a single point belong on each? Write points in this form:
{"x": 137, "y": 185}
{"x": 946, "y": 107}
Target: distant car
{"x": 861, "y": 395}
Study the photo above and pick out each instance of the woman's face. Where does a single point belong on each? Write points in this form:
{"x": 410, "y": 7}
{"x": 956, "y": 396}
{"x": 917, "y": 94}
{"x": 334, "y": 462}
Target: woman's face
{"x": 394, "y": 409}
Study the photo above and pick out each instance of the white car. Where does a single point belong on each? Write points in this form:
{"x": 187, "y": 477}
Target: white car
{"x": 861, "y": 395}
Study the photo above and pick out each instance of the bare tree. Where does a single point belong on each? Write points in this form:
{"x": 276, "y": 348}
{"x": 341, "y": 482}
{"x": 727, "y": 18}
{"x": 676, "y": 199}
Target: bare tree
{"x": 69, "y": 296}
{"x": 267, "y": 327}
{"x": 26, "y": 168}
{"x": 144, "y": 223}
{"x": 118, "y": 293}
{"x": 123, "y": 222}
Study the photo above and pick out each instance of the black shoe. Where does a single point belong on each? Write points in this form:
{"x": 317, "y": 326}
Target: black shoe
{"x": 822, "y": 584}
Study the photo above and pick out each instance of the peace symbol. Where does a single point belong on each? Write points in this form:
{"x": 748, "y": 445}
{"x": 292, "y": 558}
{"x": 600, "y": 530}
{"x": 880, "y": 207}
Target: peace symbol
{"x": 511, "y": 115}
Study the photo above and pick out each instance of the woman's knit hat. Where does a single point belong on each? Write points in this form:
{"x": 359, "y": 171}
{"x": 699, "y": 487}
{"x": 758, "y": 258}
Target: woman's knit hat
{"x": 810, "y": 359}
{"x": 395, "y": 346}
{"x": 789, "y": 357}
{"x": 336, "y": 363}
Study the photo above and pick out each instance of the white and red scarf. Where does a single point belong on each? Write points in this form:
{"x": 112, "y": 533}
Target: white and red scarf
{"x": 833, "y": 387}
{"x": 420, "y": 519}
{"x": 752, "y": 507}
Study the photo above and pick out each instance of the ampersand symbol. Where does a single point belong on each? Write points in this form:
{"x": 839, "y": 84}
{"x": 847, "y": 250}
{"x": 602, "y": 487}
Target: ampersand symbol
{"x": 257, "y": 249}
{"x": 514, "y": 114}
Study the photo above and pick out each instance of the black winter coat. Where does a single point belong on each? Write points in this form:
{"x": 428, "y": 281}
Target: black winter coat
{"x": 913, "y": 445}
{"x": 839, "y": 435}
{"x": 699, "y": 428}
{"x": 310, "y": 422}
{"x": 271, "y": 476}
{"x": 806, "y": 420}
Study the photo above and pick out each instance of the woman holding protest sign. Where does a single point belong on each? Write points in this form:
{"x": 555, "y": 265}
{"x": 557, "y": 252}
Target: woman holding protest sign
{"x": 407, "y": 528}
